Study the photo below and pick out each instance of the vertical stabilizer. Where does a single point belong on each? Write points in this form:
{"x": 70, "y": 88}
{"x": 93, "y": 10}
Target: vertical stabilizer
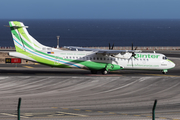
{"x": 23, "y": 41}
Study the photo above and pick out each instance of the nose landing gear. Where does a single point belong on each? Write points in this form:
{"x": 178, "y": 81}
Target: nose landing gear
{"x": 164, "y": 71}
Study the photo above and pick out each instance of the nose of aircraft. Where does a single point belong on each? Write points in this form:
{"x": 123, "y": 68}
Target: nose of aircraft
{"x": 173, "y": 65}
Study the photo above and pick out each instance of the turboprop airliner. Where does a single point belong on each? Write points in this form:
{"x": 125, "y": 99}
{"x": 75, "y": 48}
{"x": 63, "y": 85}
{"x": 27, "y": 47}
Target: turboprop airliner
{"x": 84, "y": 58}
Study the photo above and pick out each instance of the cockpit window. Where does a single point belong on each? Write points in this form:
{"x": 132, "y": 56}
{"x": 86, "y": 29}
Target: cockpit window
{"x": 164, "y": 58}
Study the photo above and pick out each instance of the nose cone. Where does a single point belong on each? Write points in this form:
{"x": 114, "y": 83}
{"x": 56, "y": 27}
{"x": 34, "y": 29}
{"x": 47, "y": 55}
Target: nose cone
{"x": 172, "y": 64}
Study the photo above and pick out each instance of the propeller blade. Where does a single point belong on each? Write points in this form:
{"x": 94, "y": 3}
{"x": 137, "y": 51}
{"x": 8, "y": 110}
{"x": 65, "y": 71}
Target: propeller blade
{"x": 109, "y": 46}
{"x": 133, "y": 54}
{"x": 132, "y": 47}
{"x": 112, "y": 46}
{"x": 136, "y": 48}
{"x": 132, "y": 61}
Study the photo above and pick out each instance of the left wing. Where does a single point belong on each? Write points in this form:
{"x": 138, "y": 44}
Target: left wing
{"x": 114, "y": 53}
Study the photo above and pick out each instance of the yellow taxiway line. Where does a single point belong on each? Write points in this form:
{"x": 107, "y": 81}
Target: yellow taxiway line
{"x": 28, "y": 66}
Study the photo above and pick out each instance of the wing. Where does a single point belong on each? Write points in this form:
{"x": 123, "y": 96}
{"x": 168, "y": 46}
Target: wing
{"x": 114, "y": 53}
{"x": 80, "y": 48}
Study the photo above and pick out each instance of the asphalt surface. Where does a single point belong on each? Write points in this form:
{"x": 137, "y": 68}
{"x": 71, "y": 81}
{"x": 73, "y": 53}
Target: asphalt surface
{"x": 55, "y": 93}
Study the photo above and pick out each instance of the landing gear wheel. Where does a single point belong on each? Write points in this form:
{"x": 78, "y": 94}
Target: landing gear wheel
{"x": 93, "y": 72}
{"x": 104, "y": 72}
{"x": 163, "y": 72}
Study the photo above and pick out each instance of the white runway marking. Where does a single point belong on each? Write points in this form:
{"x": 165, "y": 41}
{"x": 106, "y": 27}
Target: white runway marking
{"x": 73, "y": 114}
{"x": 7, "y": 114}
{"x": 144, "y": 78}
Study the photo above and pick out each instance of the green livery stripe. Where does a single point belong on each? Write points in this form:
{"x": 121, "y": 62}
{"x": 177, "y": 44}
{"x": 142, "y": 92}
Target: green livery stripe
{"x": 43, "y": 61}
{"x": 21, "y": 31}
{"x": 36, "y": 45}
{"x": 29, "y": 46}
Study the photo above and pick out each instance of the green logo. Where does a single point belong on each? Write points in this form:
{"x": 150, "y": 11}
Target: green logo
{"x": 147, "y": 56}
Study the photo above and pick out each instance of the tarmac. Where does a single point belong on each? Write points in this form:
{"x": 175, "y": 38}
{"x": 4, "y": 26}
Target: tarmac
{"x": 56, "y": 93}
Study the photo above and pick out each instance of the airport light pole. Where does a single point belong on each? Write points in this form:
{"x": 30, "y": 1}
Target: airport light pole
{"x": 58, "y": 41}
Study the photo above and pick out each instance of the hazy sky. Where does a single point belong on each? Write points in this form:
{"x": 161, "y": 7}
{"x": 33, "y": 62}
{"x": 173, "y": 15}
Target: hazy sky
{"x": 90, "y": 9}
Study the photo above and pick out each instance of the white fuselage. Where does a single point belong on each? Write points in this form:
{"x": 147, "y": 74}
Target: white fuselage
{"x": 153, "y": 61}
{"x": 148, "y": 61}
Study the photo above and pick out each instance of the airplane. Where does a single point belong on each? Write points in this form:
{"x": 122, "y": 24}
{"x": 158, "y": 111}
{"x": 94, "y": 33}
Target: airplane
{"x": 95, "y": 60}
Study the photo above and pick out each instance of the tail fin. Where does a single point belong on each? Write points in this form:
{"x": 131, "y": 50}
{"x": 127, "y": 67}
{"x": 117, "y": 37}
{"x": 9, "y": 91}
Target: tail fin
{"x": 23, "y": 41}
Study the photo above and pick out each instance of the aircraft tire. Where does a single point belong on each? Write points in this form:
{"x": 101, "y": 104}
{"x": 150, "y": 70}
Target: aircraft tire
{"x": 104, "y": 72}
{"x": 163, "y": 72}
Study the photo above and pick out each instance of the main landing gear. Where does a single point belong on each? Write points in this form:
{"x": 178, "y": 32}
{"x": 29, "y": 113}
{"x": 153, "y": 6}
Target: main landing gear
{"x": 104, "y": 72}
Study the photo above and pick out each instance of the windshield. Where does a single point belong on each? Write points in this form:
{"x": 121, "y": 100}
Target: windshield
{"x": 164, "y": 58}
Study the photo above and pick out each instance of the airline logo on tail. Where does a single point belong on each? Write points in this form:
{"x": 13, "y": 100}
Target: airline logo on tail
{"x": 22, "y": 39}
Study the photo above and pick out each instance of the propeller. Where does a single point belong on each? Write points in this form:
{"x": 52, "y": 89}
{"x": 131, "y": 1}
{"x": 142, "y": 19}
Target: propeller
{"x": 133, "y": 54}
{"x": 111, "y": 48}
{"x": 132, "y": 48}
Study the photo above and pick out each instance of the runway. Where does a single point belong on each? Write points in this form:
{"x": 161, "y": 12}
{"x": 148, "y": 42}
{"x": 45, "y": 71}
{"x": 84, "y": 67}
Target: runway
{"x": 68, "y": 97}
{"x": 52, "y": 94}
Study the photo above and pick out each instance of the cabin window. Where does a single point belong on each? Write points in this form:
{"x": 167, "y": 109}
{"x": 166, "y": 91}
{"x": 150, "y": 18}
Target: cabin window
{"x": 67, "y": 57}
{"x": 100, "y": 58}
{"x": 111, "y": 59}
{"x": 84, "y": 58}
{"x": 73, "y": 57}
{"x": 90, "y": 58}
{"x": 104, "y": 58}
{"x": 94, "y": 58}
{"x": 107, "y": 58}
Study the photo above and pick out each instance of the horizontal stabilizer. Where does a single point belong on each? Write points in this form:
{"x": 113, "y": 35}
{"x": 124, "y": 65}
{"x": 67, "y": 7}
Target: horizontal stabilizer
{"x": 19, "y": 26}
